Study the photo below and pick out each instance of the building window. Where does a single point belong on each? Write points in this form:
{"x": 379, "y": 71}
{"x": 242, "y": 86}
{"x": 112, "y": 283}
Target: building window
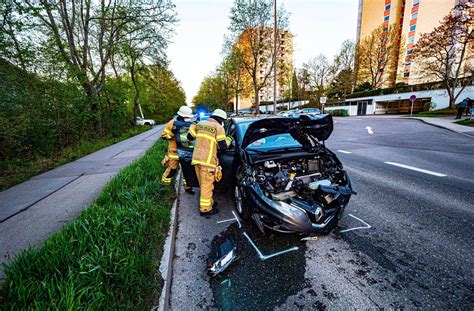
{"x": 406, "y": 74}
{"x": 411, "y": 40}
{"x": 410, "y": 51}
{"x": 412, "y": 27}
{"x": 386, "y": 18}
{"x": 387, "y": 7}
{"x": 414, "y": 16}
{"x": 416, "y": 2}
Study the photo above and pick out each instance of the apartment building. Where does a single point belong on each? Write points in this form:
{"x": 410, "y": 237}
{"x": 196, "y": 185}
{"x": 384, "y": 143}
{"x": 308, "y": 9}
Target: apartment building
{"x": 413, "y": 18}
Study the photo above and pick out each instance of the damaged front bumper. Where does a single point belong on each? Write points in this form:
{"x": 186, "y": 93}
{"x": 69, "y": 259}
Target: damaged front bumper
{"x": 296, "y": 215}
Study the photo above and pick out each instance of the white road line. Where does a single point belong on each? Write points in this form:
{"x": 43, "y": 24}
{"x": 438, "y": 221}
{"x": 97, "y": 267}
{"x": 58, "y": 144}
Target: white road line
{"x": 262, "y": 256}
{"x": 343, "y": 151}
{"x": 367, "y": 226}
{"x": 369, "y": 130}
{"x": 237, "y": 218}
{"x": 416, "y": 169}
{"x": 227, "y": 220}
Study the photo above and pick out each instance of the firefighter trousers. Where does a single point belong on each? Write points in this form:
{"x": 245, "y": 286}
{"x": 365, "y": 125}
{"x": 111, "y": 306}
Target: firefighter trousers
{"x": 206, "y": 179}
{"x": 171, "y": 170}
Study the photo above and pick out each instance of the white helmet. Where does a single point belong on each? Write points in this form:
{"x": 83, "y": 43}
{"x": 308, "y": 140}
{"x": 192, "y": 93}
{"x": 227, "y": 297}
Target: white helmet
{"x": 220, "y": 113}
{"x": 185, "y": 112}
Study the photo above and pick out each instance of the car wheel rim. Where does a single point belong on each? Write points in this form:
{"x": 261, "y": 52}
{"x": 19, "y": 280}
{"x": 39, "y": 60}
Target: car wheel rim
{"x": 238, "y": 200}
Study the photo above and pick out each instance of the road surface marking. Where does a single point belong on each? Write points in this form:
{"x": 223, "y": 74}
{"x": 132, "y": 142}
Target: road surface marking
{"x": 231, "y": 219}
{"x": 237, "y": 218}
{"x": 416, "y": 169}
{"x": 369, "y": 130}
{"x": 343, "y": 151}
{"x": 262, "y": 256}
{"x": 367, "y": 226}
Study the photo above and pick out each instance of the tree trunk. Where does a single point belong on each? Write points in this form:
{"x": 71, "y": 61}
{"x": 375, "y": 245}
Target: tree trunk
{"x": 135, "y": 97}
{"x": 257, "y": 99}
{"x": 452, "y": 102}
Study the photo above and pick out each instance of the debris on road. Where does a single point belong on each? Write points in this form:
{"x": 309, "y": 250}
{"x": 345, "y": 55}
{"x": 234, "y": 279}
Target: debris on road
{"x": 265, "y": 257}
{"x": 226, "y": 254}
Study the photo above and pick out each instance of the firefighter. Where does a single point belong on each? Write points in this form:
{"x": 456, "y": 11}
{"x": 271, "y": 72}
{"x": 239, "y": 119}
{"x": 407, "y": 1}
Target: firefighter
{"x": 171, "y": 160}
{"x": 210, "y": 137}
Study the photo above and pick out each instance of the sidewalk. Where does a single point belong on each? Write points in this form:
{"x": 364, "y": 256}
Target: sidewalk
{"x": 31, "y": 211}
{"x": 447, "y": 123}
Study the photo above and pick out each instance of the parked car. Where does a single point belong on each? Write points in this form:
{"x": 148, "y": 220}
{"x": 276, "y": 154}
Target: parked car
{"x": 283, "y": 175}
{"x": 309, "y": 111}
{"x": 143, "y": 121}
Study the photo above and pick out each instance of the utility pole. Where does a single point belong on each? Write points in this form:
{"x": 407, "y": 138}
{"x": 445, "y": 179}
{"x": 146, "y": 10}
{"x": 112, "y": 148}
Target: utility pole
{"x": 275, "y": 56}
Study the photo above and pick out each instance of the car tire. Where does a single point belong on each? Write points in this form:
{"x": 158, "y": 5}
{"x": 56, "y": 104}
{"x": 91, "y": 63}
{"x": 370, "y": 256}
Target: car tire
{"x": 240, "y": 205}
{"x": 147, "y": 124}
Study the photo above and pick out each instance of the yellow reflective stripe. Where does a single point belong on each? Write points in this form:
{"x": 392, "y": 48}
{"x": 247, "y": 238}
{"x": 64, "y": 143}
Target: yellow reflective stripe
{"x": 194, "y": 162}
{"x": 205, "y": 200}
{"x": 211, "y": 149}
{"x": 228, "y": 141}
{"x": 211, "y": 138}
{"x": 192, "y": 131}
{"x": 173, "y": 156}
{"x": 220, "y": 137}
{"x": 167, "y": 130}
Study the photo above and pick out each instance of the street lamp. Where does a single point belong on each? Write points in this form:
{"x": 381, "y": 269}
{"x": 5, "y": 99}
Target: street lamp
{"x": 275, "y": 56}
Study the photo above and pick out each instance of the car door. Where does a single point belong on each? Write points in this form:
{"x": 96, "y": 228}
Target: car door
{"x": 227, "y": 158}
{"x": 185, "y": 152}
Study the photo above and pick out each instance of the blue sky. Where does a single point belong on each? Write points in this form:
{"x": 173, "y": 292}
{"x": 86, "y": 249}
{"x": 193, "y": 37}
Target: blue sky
{"x": 319, "y": 26}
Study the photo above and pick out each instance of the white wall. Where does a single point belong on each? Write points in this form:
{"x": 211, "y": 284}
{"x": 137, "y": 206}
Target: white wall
{"x": 439, "y": 96}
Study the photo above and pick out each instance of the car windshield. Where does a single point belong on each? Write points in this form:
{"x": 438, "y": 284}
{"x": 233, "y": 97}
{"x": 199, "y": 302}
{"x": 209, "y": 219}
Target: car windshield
{"x": 269, "y": 143}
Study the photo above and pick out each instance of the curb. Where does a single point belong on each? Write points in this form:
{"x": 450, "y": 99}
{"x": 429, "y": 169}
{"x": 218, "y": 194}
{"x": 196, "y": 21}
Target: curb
{"x": 166, "y": 264}
{"x": 440, "y": 126}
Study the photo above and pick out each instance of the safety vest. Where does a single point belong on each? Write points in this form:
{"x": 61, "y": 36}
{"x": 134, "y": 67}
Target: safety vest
{"x": 168, "y": 135}
{"x": 207, "y": 134}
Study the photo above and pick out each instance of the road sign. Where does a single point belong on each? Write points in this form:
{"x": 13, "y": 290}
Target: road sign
{"x": 322, "y": 100}
{"x": 412, "y": 99}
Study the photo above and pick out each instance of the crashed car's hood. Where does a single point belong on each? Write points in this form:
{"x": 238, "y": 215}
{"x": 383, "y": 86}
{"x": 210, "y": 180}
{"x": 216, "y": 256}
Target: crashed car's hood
{"x": 316, "y": 126}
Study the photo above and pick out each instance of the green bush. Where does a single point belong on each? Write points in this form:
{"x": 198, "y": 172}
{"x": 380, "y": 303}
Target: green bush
{"x": 339, "y": 112}
{"x": 107, "y": 258}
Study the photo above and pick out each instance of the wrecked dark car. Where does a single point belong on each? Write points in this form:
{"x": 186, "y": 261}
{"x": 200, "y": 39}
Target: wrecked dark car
{"x": 283, "y": 175}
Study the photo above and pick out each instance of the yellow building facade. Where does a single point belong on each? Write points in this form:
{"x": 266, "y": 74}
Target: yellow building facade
{"x": 413, "y": 18}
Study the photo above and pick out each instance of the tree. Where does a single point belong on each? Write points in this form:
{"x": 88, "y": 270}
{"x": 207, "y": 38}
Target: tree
{"x": 320, "y": 72}
{"x": 343, "y": 70}
{"x": 251, "y": 25}
{"x": 443, "y": 53}
{"x": 295, "y": 89}
{"x": 377, "y": 55}
{"x": 148, "y": 41}
{"x": 212, "y": 93}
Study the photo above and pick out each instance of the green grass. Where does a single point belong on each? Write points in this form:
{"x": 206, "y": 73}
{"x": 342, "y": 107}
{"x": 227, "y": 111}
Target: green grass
{"x": 447, "y": 112}
{"x": 465, "y": 122}
{"x": 107, "y": 258}
{"x": 16, "y": 171}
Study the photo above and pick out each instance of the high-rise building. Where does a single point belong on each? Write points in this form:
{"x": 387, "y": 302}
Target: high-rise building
{"x": 413, "y": 18}
{"x": 284, "y": 68}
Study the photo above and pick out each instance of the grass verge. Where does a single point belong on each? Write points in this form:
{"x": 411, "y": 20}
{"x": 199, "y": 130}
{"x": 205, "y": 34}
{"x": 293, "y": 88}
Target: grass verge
{"x": 16, "y": 171}
{"x": 447, "y": 112}
{"x": 466, "y": 122}
{"x": 107, "y": 258}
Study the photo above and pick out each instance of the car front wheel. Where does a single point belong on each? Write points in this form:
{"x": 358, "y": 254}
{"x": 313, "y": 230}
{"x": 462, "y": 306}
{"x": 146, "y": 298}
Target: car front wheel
{"x": 240, "y": 204}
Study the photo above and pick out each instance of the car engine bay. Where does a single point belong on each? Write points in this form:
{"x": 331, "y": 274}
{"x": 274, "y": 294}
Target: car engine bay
{"x": 314, "y": 179}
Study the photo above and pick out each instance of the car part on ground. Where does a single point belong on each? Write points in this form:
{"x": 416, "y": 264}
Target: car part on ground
{"x": 226, "y": 254}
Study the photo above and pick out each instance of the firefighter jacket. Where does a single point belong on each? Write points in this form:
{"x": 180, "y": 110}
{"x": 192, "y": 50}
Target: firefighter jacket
{"x": 209, "y": 136}
{"x": 169, "y": 136}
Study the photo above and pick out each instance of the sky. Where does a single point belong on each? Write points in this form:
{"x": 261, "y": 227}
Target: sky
{"x": 319, "y": 26}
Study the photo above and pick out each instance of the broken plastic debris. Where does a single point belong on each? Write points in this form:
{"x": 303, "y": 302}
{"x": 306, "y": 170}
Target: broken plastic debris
{"x": 226, "y": 254}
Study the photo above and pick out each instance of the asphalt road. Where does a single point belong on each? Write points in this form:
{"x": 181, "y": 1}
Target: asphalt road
{"x": 32, "y": 211}
{"x": 417, "y": 252}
